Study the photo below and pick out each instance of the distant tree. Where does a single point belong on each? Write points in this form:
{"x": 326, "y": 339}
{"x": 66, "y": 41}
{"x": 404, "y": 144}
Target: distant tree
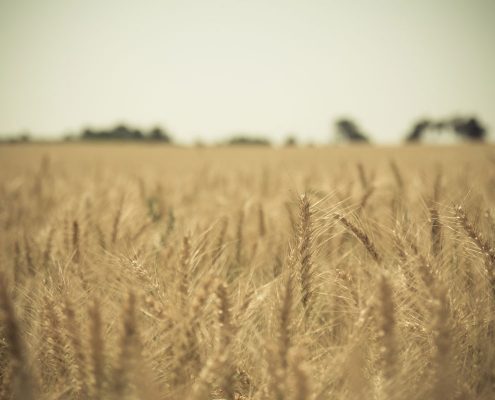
{"x": 25, "y": 137}
{"x": 136, "y": 134}
{"x": 348, "y": 130}
{"x": 246, "y": 140}
{"x": 290, "y": 141}
{"x": 440, "y": 125}
{"x": 89, "y": 134}
{"x": 123, "y": 132}
{"x": 470, "y": 128}
{"x": 467, "y": 128}
{"x": 418, "y": 130}
{"x": 18, "y": 138}
{"x": 157, "y": 134}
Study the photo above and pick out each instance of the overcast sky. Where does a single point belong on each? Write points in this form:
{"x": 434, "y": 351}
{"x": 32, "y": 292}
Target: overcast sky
{"x": 206, "y": 69}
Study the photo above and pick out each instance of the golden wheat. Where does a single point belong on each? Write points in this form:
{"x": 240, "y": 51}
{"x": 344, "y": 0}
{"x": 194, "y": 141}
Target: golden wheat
{"x": 245, "y": 274}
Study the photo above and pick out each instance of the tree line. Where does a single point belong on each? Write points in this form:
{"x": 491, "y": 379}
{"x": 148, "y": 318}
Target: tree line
{"x": 469, "y": 128}
{"x": 123, "y": 132}
{"x": 345, "y": 129}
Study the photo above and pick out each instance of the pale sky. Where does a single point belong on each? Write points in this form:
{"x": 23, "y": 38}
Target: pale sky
{"x": 207, "y": 69}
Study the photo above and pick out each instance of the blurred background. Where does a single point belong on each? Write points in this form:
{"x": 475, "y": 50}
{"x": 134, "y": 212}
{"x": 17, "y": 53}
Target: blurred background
{"x": 257, "y": 72}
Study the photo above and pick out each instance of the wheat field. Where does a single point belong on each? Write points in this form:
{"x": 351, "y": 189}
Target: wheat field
{"x": 153, "y": 272}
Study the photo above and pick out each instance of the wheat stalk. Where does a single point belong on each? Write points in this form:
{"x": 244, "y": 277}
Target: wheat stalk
{"x": 20, "y": 378}
{"x": 361, "y": 235}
